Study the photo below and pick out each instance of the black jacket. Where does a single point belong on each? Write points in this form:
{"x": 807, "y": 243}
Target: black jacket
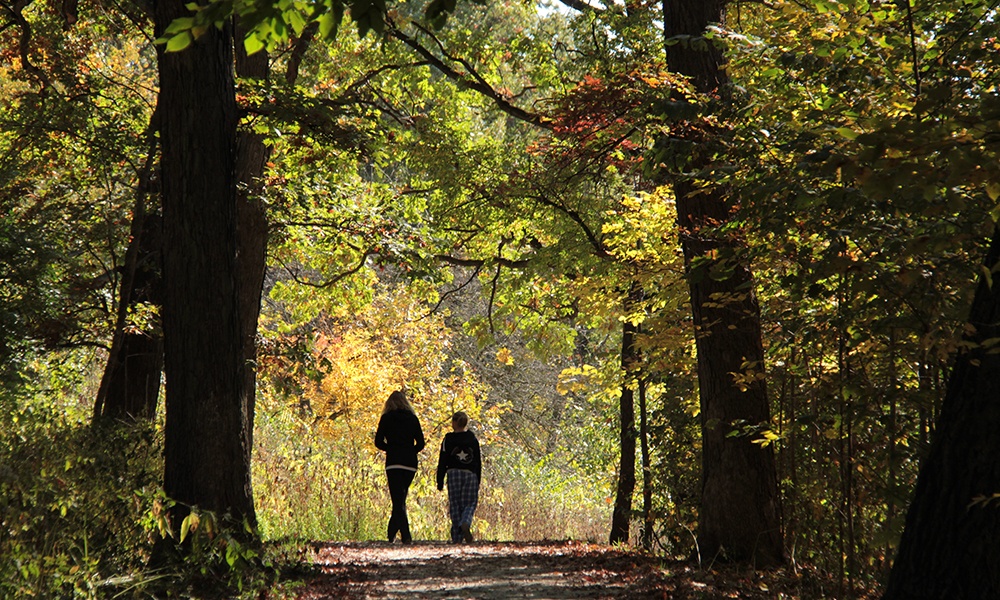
{"x": 459, "y": 450}
{"x": 399, "y": 434}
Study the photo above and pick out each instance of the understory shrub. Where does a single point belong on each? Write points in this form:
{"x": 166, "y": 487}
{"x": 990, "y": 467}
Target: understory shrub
{"x": 71, "y": 499}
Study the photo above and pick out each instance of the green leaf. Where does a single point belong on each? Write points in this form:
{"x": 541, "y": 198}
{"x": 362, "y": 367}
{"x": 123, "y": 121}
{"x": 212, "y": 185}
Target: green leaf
{"x": 253, "y": 44}
{"x": 847, "y": 132}
{"x": 179, "y": 42}
{"x": 179, "y": 25}
{"x": 329, "y": 22}
{"x": 993, "y": 190}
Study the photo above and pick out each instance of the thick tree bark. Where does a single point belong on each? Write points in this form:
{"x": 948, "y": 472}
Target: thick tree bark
{"x": 950, "y": 547}
{"x": 206, "y": 460}
{"x": 622, "y": 516}
{"x": 252, "y": 230}
{"x": 740, "y": 517}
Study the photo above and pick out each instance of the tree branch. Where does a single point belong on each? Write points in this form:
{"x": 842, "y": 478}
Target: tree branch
{"x": 329, "y": 282}
{"x": 24, "y": 40}
{"x": 299, "y": 49}
{"x": 476, "y": 82}
{"x": 493, "y": 295}
{"x": 448, "y": 293}
{"x": 481, "y": 262}
{"x": 577, "y": 218}
{"x": 581, "y": 6}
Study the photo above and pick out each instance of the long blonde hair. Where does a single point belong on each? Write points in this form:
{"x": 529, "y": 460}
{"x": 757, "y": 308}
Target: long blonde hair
{"x": 397, "y": 401}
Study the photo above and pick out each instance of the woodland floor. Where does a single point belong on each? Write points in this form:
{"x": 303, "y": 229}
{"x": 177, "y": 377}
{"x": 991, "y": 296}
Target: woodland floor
{"x": 537, "y": 571}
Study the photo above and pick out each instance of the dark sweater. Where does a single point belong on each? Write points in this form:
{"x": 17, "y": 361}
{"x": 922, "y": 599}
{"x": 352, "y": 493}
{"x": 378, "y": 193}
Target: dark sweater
{"x": 399, "y": 434}
{"x": 459, "y": 450}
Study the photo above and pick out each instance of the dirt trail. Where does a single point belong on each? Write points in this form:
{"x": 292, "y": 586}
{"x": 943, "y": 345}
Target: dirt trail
{"x": 510, "y": 570}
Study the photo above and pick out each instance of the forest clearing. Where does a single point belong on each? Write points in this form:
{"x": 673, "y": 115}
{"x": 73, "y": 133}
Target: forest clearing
{"x": 711, "y": 281}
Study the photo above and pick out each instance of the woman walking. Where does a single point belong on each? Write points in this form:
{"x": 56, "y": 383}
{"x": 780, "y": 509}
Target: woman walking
{"x": 400, "y": 436}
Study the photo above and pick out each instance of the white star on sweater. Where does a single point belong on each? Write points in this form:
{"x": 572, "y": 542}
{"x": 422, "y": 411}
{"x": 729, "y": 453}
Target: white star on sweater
{"x": 462, "y": 455}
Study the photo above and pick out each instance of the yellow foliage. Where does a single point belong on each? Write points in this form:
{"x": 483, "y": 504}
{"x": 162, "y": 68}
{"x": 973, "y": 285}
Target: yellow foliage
{"x": 504, "y": 356}
{"x": 391, "y": 344}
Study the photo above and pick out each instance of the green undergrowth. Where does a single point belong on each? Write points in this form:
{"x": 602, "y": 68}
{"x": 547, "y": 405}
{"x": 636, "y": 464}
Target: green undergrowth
{"x": 80, "y": 507}
{"x": 71, "y": 499}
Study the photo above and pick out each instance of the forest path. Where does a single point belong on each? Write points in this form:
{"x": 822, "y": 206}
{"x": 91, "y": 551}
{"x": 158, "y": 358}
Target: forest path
{"x": 511, "y": 570}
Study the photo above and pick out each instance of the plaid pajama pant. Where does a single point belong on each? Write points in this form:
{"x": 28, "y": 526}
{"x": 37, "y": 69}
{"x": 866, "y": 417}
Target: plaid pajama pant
{"x": 463, "y": 497}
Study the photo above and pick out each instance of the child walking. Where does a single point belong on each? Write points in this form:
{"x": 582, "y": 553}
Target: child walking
{"x": 461, "y": 461}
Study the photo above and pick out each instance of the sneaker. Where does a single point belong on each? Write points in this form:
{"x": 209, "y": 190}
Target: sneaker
{"x": 466, "y": 534}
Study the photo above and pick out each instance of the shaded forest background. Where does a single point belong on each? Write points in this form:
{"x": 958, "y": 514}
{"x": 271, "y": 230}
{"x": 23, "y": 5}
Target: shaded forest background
{"x": 490, "y": 206}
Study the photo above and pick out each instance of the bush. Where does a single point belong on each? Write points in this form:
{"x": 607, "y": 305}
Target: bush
{"x": 70, "y": 497}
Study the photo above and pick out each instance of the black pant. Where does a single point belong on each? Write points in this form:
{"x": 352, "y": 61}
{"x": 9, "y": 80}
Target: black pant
{"x": 399, "y": 487}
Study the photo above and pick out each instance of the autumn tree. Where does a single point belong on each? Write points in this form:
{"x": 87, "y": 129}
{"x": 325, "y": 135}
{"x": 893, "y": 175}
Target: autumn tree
{"x": 739, "y": 511}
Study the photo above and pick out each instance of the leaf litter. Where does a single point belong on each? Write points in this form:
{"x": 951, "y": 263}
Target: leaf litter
{"x": 545, "y": 570}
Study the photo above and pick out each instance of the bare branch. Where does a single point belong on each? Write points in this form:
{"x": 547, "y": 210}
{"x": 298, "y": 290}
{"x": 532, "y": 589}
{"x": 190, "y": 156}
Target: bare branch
{"x": 299, "y": 51}
{"x": 577, "y": 218}
{"x": 450, "y": 292}
{"x": 481, "y": 262}
{"x": 581, "y": 6}
{"x": 493, "y": 295}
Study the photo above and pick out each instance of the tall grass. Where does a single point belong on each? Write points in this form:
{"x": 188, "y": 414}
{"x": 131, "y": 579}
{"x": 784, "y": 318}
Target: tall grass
{"x": 311, "y": 486}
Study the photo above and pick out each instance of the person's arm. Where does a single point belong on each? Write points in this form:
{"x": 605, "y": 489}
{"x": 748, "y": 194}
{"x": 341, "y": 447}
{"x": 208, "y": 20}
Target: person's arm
{"x": 442, "y": 467}
{"x": 380, "y": 442}
{"x": 419, "y": 442}
{"x": 479, "y": 460}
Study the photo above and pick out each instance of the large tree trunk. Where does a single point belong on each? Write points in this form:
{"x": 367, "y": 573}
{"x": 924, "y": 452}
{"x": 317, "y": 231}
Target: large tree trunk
{"x": 252, "y": 230}
{"x": 740, "y": 517}
{"x": 206, "y": 458}
{"x": 950, "y": 547}
{"x": 621, "y": 518}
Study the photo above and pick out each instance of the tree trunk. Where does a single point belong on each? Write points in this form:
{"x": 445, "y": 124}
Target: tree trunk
{"x": 130, "y": 387}
{"x": 622, "y": 516}
{"x": 950, "y": 547}
{"x": 252, "y": 230}
{"x": 647, "y": 470}
{"x": 206, "y": 461}
{"x": 740, "y": 516}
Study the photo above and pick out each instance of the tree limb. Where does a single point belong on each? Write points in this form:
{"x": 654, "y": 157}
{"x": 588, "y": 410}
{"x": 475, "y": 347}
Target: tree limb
{"x": 481, "y": 262}
{"x": 299, "y": 49}
{"x": 577, "y": 218}
{"x": 24, "y": 40}
{"x": 581, "y": 6}
{"x": 472, "y": 80}
{"x": 329, "y": 282}
{"x": 448, "y": 293}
